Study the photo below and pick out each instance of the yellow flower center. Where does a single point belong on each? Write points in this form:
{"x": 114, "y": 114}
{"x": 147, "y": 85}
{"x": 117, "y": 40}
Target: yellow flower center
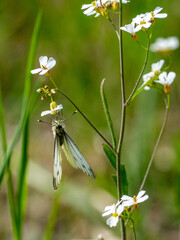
{"x": 135, "y": 199}
{"x": 43, "y": 67}
{"x": 114, "y": 215}
{"x": 53, "y": 105}
{"x": 94, "y": 4}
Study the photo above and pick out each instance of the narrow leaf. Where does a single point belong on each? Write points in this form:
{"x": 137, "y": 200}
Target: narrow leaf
{"x": 106, "y": 111}
{"x": 110, "y": 155}
{"x": 124, "y": 182}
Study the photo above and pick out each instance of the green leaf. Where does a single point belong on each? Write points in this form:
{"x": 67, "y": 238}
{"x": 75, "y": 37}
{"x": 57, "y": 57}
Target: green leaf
{"x": 110, "y": 155}
{"x": 124, "y": 182}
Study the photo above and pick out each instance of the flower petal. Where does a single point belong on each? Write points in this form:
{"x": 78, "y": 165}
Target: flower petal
{"x": 84, "y": 6}
{"x": 45, "y": 113}
{"x": 170, "y": 78}
{"x": 43, "y": 72}
{"x": 43, "y": 60}
{"x": 142, "y": 199}
{"x": 51, "y": 63}
{"x": 112, "y": 221}
{"x": 37, "y": 70}
{"x": 140, "y": 194}
{"x": 161, "y": 15}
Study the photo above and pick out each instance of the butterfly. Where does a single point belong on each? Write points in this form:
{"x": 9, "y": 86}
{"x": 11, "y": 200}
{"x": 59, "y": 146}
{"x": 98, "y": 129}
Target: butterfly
{"x": 63, "y": 141}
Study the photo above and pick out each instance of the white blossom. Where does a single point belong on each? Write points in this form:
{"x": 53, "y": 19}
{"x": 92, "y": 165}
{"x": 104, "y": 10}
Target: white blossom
{"x": 130, "y": 28}
{"x": 143, "y": 20}
{"x": 156, "y": 14}
{"x": 45, "y": 65}
{"x": 52, "y": 110}
{"x": 165, "y": 44}
{"x": 155, "y": 69}
{"x": 133, "y": 201}
{"x": 115, "y": 211}
{"x": 166, "y": 79}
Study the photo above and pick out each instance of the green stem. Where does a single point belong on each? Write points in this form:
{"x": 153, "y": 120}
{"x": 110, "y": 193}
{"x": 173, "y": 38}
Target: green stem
{"x": 114, "y": 26}
{"x": 156, "y": 145}
{"x": 106, "y": 111}
{"x": 82, "y": 114}
{"x": 140, "y": 76}
{"x": 123, "y": 115}
{"x": 53, "y": 82}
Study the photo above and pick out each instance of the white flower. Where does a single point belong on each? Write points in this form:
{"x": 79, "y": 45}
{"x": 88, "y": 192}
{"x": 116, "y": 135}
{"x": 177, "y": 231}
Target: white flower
{"x": 155, "y": 69}
{"x": 133, "y": 201}
{"x": 115, "y": 211}
{"x": 156, "y": 14}
{"x": 91, "y": 8}
{"x": 98, "y": 6}
{"x": 53, "y": 110}
{"x": 45, "y": 65}
{"x": 165, "y": 44}
{"x": 130, "y": 28}
{"x": 165, "y": 78}
{"x": 142, "y": 20}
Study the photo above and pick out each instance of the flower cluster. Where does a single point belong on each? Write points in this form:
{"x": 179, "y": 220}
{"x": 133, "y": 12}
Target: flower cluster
{"x": 163, "y": 78}
{"x": 123, "y": 206}
{"x": 99, "y": 7}
{"x": 143, "y": 22}
{"x": 46, "y": 92}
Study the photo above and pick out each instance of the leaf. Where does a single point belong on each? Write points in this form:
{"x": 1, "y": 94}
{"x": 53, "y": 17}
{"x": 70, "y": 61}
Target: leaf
{"x": 124, "y": 182}
{"x": 110, "y": 155}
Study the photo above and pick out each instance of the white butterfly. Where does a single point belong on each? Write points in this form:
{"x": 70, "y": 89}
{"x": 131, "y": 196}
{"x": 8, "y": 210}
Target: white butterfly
{"x": 63, "y": 141}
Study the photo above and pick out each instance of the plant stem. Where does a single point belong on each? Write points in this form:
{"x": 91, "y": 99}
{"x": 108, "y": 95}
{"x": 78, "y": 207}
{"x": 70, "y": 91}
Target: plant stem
{"x": 82, "y": 114}
{"x": 123, "y": 115}
{"x": 117, "y": 33}
{"x": 140, "y": 76}
{"x": 156, "y": 145}
{"x": 53, "y": 82}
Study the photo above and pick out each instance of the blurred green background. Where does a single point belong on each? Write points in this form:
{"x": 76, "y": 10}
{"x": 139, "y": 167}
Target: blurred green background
{"x": 86, "y": 51}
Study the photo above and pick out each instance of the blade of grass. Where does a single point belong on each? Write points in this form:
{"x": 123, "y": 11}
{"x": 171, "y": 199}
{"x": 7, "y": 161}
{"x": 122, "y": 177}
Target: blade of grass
{"x": 25, "y": 98}
{"x": 48, "y": 234}
{"x": 22, "y": 187}
{"x": 12, "y": 205}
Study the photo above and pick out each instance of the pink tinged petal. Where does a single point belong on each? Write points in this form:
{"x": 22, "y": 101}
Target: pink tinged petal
{"x": 125, "y": 198}
{"x": 161, "y": 15}
{"x": 43, "y": 60}
{"x": 142, "y": 199}
{"x": 170, "y": 78}
{"x": 140, "y": 194}
{"x": 84, "y": 6}
{"x": 43, "y": 72}
{"x": 36, "y": 70}
{"x": 51, "y": 63}
{"x": 45, "y": 113}
{"x": 112, "y": 221}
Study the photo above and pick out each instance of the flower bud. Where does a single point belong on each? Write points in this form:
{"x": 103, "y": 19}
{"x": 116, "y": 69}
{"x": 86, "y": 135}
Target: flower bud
{"x": 46, "y": 87}
{"x": 167, "y": 88}
{"x": 43, "y": 97}
{"x": 53, "y": 91}
{"x": 115, "y": 5}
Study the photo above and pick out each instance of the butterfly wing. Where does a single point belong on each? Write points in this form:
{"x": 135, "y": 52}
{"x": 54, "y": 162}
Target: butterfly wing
{"x": 57, "y": 169}
{"x": 75, "y": 157}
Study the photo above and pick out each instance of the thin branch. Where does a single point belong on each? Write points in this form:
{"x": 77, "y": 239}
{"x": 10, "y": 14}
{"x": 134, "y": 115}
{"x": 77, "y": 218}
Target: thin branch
{"x": 82, "y": 114}
{"x": 156, "y": 145}
{"x": 140, "y": 76}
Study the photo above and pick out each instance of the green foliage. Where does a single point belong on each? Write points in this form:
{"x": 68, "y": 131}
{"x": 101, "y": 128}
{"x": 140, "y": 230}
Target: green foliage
{"x": 110, "y": 155}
